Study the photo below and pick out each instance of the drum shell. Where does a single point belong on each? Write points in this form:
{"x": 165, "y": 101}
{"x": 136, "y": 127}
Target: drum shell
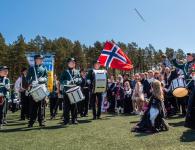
{"x": 100, "y": 81}
{"x": 39, "y": 93}
{"x": 75, "y": 95}
{"x": 178, "y": 87}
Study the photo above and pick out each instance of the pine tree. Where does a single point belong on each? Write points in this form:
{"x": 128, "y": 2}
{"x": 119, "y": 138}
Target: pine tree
{"x": 3, "y": 51}
{"x": 17, "y": 57}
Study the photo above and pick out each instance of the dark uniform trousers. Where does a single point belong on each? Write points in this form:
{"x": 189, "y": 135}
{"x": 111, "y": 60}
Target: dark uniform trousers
{"x": 98, "y": 97}
{"x": 182, "y": 102}
{"x": 1, "y": 113}
{"x": 36, "y": 109}
{"x": 24, "y": 106}
{"x": 84, "y": 104}
{"x": 190, "y": 116}
{"x": 53, "y": 104}
{"x": 67, "y": 107}
{"x": 59, "y": 104}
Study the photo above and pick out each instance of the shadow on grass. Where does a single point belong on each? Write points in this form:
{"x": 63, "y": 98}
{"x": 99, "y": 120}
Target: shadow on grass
{"x": 13, "y": 121}
{"x": 110, "y": 115}
{"x": 141, "y": 134}
{"x": 102, "y": 118}
{"x": 16, "y": 124}
{"x": 175, "y": 117}
{"x": 134, "y": 121}
{"x": 177, "y": 124}
{"x": 188, "y": 136}
{"x": 84, "y": 121}
{"x": 21, "y": 129}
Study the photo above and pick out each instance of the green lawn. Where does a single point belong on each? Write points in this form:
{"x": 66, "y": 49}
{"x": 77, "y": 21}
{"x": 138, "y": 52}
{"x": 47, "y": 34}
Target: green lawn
{"x": 112, "y": 132}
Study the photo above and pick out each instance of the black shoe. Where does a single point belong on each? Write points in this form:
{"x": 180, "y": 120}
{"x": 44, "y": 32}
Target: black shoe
{"x": 99, "y": 118}
{"x": 153, "y": 130}
{"x": 42, "y": 124}
{"x": 81, "y": 115}
{"x": 30, "y": 126}
{"x": 65, "y": 123}
{"x": 182, "y": 115}
{"x": 85, "y": 115}
{"x": 75, "y": 122}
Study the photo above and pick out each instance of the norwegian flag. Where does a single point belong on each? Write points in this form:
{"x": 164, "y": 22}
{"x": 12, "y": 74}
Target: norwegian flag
{"x": 112, "y": 56}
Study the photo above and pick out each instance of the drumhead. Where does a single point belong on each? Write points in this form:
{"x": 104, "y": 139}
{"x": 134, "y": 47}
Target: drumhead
{"x": 180, "y": 92}
{"x": 72, "y": 89}
{"x": 34, "y": 89}
{"x": 100, "y": 82}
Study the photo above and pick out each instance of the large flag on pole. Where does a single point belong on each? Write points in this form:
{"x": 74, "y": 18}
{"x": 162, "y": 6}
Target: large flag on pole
{"x": 112, "y": 56}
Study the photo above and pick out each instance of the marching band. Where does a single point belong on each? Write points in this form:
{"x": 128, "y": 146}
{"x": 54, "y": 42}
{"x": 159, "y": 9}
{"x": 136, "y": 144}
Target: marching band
{"x": 153, "y": 94}
{"x": 69, "y": 79}
{"x": 37, "y": 80}
{"x": 4, "y": 94}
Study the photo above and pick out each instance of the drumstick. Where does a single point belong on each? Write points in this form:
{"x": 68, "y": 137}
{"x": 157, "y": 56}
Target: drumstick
{"x": 189, "y": 82}
{"x": 138, "y": 13}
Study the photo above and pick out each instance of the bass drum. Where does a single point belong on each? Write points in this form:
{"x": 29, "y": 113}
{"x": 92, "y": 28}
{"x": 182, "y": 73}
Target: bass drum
{"x": 178, "y": 87}
{"x": 100, "y": 82}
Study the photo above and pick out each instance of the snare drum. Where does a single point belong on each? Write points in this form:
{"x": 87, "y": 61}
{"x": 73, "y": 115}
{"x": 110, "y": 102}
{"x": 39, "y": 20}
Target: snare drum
{"x": 1, "y": 99}
{"x": 178, "y": 87}
{"x": 39, "y": 93}
{"x": 100, "y": 82}
{"x": 75, "y": 95}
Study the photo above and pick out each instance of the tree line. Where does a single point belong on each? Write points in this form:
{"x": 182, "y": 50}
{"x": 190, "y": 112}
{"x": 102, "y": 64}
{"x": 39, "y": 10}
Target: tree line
{"x": 13, "y": 55}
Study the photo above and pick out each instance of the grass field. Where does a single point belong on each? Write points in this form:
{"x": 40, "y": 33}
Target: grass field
{"x": 110, "y": 133}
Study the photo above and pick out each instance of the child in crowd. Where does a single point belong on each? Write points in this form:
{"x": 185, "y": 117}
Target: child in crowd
{"x": 119, "y": 96}
{"x": 128, "y": 108}
{"x": 138, "y": 98}
{"x": 153, "y": 119}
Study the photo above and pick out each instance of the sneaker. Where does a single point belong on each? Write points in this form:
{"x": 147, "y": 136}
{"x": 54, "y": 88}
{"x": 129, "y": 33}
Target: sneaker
{"x": 4, "y": 122}
{"x": 141, "y": 113}
{"x": 133, "y": 113}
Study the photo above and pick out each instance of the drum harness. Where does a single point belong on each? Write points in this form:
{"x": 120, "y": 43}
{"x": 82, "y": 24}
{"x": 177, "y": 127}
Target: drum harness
{"x": 72, "y": 78}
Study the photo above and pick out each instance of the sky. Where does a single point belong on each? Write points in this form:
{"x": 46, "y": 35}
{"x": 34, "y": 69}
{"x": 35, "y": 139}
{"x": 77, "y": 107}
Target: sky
{"x": 168, "y": 23}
